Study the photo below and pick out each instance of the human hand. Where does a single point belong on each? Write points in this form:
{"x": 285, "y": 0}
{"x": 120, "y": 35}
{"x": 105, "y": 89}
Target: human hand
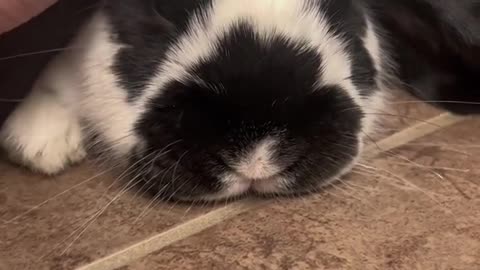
{"x": 13, "y": 13}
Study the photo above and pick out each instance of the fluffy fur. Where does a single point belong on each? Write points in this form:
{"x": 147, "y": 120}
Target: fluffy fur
{"x": 211, "y": 99}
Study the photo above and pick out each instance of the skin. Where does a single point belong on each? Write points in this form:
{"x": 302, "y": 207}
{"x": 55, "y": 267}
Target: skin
{"x": 14, "y": 13}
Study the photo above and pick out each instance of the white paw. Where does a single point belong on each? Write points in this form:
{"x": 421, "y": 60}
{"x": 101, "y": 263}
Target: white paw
{"x": 49, "y": 155}
{"x": 43, "y": 135}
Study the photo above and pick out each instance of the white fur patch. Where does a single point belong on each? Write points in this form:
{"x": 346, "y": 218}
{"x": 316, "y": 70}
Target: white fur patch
{"x": 258, "y": 164}
{"x": 235, "y": 186}
{"x": 372, "y": 44}
{"x": 373, "y": 105}
{"x": 271, "y": 186}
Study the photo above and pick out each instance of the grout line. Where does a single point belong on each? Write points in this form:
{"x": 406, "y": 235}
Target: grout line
{"x": 201, "y": 223}
{"x": 175, "y": 234}
{"x": 412, "y": 133}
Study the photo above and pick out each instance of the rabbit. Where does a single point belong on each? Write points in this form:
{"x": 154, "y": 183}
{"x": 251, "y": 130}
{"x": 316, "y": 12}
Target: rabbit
{"x": 215, "y": 99}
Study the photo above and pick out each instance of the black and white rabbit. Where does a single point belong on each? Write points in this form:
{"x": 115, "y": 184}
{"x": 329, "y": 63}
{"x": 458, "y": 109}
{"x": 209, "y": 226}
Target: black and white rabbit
{"x": 212, "y": 99}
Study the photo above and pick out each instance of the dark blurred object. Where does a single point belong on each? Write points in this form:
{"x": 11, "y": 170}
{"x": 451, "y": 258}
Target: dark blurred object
{"x": 26, "y": 50}
{"x": 437, "y": 49}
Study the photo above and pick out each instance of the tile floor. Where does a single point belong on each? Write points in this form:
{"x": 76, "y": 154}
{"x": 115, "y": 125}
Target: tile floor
{"x": 415, "y": 206}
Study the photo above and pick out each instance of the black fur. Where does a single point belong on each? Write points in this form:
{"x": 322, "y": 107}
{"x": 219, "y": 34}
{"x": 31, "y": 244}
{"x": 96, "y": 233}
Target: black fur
{"x": 436, "y": 47}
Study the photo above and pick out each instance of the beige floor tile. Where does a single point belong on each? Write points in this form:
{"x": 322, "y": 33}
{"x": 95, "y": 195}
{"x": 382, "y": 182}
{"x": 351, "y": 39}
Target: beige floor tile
{"x": 401, "y": 111}
{"x": 37, "y": 239}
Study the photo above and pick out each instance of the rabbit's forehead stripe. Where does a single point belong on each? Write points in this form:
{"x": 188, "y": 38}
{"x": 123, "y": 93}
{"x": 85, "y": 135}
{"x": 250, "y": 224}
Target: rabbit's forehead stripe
{"x": 295, "y": 20}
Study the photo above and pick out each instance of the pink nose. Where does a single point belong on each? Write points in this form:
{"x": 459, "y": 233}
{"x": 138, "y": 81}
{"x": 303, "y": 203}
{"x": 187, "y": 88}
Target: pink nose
{"x": 259, "y": 162}
{"x": 258, "y": 169}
